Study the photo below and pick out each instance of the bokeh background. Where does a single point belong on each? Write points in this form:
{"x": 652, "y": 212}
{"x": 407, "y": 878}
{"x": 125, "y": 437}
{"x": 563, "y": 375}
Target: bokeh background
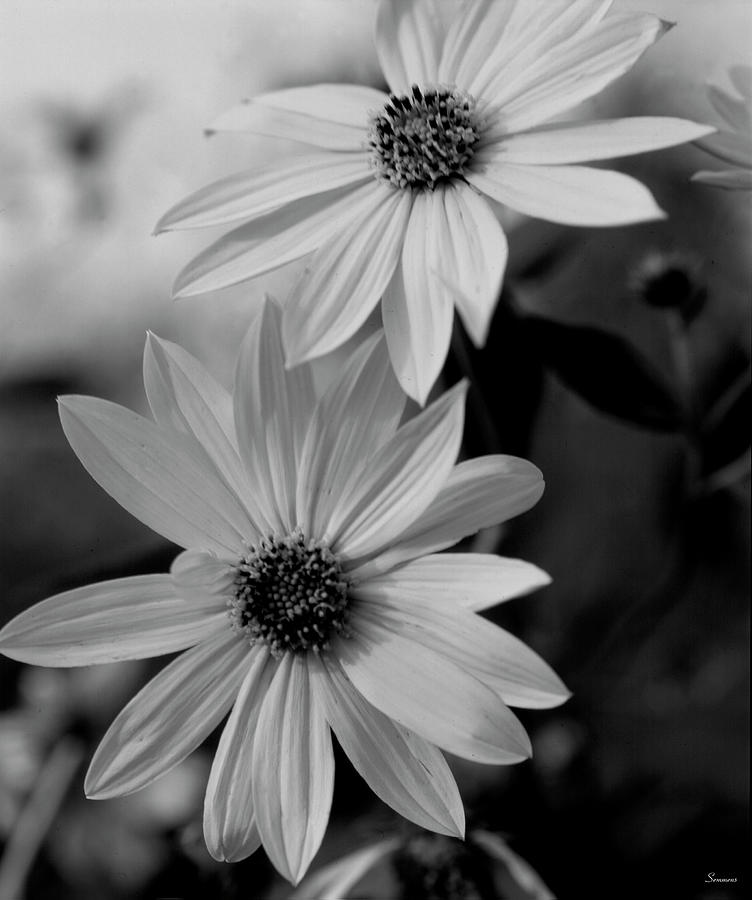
{"x": 636, "y": 410}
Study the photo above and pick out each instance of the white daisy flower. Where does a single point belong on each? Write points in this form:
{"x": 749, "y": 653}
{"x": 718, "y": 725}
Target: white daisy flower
{"x": 391, "y": 199}
{"x": 312, "y": 596}
{"x": 733, "y": 144}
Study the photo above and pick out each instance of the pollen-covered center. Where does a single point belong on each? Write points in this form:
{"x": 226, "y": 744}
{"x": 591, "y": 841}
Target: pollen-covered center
{"x": 290, "y": 594}
{"x": 423, "y": 137}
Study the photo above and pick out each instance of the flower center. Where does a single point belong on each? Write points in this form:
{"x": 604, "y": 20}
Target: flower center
{"x": 422, "y": 138}
{"x": 290, "y": 594}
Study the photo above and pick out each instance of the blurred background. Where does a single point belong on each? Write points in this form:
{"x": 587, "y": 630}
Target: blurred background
{"x": 618, "y": 362}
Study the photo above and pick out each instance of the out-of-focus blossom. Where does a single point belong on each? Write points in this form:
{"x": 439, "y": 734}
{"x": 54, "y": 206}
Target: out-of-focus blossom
{"x": 733, "y": 144}
{"x": 390, "y": 200}
{"x": 319, "y": 526}
{"x": 427, "y": 867}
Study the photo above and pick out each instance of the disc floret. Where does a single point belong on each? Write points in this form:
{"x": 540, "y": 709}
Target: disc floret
{"x": 291, "y": 594}
{"x": 424, "y": 137}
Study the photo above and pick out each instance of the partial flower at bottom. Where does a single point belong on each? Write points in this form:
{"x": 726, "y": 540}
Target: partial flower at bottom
{"x": 312, "y": 597}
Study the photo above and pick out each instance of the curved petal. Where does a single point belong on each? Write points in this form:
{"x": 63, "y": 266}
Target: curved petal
{"x": 128, "y": 618}
{"x": 335, "y": 880}
{"x": 333, "y": 116}
{"x": 203, "y": 409}
{"x": 202, "y": 579}
{"x": 732, "y": 148}
{"x": 529, "y": 881}
{"x": 473, "y": 581}
{"x": 408, "y": 41}
{"x": 501, "y": 661}
{"x": 571, "y": 195}
{"x": 472, "y": 258}
{"x": 273, "y": 407}
{"x": 477, "y": 494}
{"x": 429, "y": 694}
{"x": 401, "y": 478}
{"x": 417, "y": 313}
{"x": 344, "y": 279}
{"x": 168, "y": 718}
{"x": 272, "y": 240}
{"x": 229, "y": 825}
{"x": 357, "y": 415}
{"x": 583, "y": 141}
{"x": 249, "y": 195}
{"x": 153, "y": 472}
{"x": 293, "y": 770}
{"x": 403, "y": 770}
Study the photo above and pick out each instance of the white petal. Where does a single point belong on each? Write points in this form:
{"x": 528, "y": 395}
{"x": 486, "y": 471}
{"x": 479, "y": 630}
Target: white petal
{"x": 128, "y": 618}
{"x": 472, "y": 581}
{"x": 343, "y": 280}
{"x": 293, "y": 770}
{"x": 472, "y": 258}
{"x": 357, "y": 415}
{"x": 204, "y": 409}
{"x": 417, "y": 313}
{"x": 335, "y": 880}
{"x": 401, "y": 478}
{"x": 583, "y": 141}
{"x": 153, "y": 472}
{"x": 273, "y": 407}
{"x": 334, "y": 116}
{"x": 477, "y": 494}
{"x": 408, "y": 42}
{"x": 168, "y": 718}
{"x": 732, "y": 148}
{"x": 571, "y": 195}
{"x": 472, "y": 39}
{"x": 731, "y": 179}
{"x": 430, "y": 694}
{"x": 249, "y": 195}
{"x": 571, "y": 72}
{"x": 229, "y": 825}
{"x": 271, "y": 241}
{"x": 202, "y": 579}
{"x": 406, "y": 772}
{"x": 501, "y": 661}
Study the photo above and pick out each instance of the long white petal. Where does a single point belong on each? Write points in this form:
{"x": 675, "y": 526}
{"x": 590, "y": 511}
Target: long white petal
{"x": 128, "y": 618}
{"x": 403, "y": 770}
{"x": 333, "y": 116}
{"x": 501, "y": 661}
{"x": 203, "y": 579}
{"x": 293, "y": 770}
{"x": 357, "y": 415}
{"x": 408, "y": 41}
{"x": 417, "y": 313}
{"x": 474, "y": 581}
{"x": 271, "y": 241}
{"x": 153, "y": 472}
{"x": 429, "y": 694}
{"x": 229, "y": 825}
{"x": 169, "y": 717}
{"x": 344, "y": 279}
{"x": 584, "y": 141}
{"x": 273, "y": 406}
{"x": 249, "y": 195}
{"x": 401, "y": 479}
{"x": 335, "y": 880}
{"x": 472, "y": 258}
{"x": 204, "y": 409}
{"x": 571, "y": 195}
{"x": 472, "y": 39}
{"x": 477, "y": 494}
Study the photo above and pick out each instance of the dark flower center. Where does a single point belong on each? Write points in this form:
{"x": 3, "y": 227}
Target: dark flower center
{"x": 290, "y": 594}
{"x": 422, "y": 137}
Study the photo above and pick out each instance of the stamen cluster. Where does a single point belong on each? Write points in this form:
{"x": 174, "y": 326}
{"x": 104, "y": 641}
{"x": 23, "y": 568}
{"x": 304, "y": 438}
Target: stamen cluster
{"x": 290, "y": 594}
{"x": 422, "y": 138}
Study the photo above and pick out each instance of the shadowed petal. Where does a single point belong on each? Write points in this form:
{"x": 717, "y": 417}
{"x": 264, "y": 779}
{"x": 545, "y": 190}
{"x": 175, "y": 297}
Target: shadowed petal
{"x": 731, "y": 179}
{"x": 335, "y": 880}
{"x": 408, "y": 40}
{"x": 168, "y": 718}
{"x": 293, "y": 770}
{"x": 406, "y": 772}
{"x": 229, "y": 825}
{"x": 154, "y": 474}
{"x": 128, "y": 618}
{"x": 202, "y": 579}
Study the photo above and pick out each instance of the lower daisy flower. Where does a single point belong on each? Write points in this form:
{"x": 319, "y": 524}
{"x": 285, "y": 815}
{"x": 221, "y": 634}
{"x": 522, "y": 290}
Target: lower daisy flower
{"x": 312, "y": 597}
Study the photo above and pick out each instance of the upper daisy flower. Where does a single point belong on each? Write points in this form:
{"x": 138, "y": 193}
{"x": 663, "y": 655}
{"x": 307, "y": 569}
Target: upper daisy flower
{"x": 312, "y": 594}
{"x": 391, "y": 199}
